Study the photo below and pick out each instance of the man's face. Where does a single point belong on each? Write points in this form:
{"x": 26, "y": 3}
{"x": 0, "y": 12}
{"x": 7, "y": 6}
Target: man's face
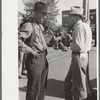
{"x": 40, "y": 16}
{"x": 73, "y": 19}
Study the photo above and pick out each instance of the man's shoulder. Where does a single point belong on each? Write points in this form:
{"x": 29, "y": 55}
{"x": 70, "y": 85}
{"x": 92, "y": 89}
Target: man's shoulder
{"x": 83, "y": 25}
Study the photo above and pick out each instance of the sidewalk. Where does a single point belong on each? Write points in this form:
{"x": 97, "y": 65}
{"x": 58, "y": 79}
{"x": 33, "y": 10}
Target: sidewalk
{"x": 58, "y": 68}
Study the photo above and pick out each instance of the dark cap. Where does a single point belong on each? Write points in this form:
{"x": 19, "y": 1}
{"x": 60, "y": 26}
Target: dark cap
{"x": 41, "y": 6}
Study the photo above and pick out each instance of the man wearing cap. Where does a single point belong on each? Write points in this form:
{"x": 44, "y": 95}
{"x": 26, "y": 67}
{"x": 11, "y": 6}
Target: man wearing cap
{"x": 36, "y": 49}
{"x": 75, "y": 81}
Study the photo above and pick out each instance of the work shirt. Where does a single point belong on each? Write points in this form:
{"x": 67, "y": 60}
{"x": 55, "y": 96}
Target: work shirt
{"x": 81, "y": 37}
{"x": 36, "y": 31}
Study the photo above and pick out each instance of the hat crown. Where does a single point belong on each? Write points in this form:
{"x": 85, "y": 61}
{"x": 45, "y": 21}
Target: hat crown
{"x": 76, "y": 10}
{"x": 40, "y": 6}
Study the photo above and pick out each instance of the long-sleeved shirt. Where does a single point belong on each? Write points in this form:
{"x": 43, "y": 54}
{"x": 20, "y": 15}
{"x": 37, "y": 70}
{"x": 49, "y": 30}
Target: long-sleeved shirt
{"x": 81, "y": 37}
{"x": 36, "y": 30}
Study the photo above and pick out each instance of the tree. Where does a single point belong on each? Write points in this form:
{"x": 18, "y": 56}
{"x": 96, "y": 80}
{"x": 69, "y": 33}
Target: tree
{"x": 50, "y": 20}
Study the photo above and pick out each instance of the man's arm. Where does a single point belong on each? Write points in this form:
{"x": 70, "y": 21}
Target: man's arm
{"x": 78, "y": 43}
{"x": 25, "y": 32}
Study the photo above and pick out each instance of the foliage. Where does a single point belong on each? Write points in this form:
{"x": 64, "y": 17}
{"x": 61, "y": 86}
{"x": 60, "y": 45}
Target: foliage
{"x": 50, "y": 20}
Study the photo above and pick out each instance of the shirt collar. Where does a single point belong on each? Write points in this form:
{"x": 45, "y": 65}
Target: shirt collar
{"x": 78, "y": 22}
{"x": 38, "y": 25}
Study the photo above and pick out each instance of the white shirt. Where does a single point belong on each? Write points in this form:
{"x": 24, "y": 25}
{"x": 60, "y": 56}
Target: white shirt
{"x": 81, "y": 37}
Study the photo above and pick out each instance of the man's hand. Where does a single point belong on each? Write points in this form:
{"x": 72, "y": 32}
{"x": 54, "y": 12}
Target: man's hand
{"x": 35, "y": 54}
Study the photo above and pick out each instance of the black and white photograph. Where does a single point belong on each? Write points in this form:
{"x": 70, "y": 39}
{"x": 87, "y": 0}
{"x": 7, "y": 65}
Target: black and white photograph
{"x": 50, "y": 50}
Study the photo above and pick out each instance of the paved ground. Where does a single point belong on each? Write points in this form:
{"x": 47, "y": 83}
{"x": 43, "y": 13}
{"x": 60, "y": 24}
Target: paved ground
{"x": 59, "y": 63}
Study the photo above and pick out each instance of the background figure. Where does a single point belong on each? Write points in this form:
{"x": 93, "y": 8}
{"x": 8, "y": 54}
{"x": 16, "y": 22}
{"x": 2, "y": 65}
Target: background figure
{"x": 57, "y": 38}
{"x": 20, "y": 63}
{"x": 21, "y": 56}
{"x": 66, "y": 39}
{"x": 24, "y": 69}
{"x": 36, "y": 50}
{"x": 76, "y": 85}
{"x": 57, "y": 41}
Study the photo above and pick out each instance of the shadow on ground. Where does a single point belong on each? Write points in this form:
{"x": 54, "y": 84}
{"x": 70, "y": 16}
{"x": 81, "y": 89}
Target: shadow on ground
{"x": 55, "y": 88}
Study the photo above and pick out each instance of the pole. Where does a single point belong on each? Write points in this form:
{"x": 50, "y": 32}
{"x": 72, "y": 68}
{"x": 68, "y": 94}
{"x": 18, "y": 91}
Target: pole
{"x": 86, "y": 11}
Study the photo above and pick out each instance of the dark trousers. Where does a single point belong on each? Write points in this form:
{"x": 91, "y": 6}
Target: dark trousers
{"x": 37, "y": 77}
{"x": 76, "y": 79}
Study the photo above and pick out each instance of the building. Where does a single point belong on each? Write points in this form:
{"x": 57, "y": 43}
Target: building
{"x": 65, "y": 18}
{"x": 93, "y": 18}
{"x": 93, "y": 24}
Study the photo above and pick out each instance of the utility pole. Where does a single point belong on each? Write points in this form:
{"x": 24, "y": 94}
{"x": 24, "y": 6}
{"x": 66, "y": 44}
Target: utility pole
{"x": 86, "y": 10}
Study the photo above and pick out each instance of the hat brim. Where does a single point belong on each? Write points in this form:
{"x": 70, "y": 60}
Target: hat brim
{"x": 76, "y": 14}
{"x": 46, "y": 12}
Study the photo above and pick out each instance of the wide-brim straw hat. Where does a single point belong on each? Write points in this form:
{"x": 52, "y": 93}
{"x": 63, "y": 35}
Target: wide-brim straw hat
{"x": 76, "y": 10}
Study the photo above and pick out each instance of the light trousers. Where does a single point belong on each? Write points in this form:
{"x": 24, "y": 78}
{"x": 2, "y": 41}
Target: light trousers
{"x": 76, "y": 81}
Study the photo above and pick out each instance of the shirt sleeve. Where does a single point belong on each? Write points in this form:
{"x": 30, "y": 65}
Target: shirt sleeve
{"x": 78, "y": 42}
{"x": 26, "y": 30}
{"x": 23, "y": 47}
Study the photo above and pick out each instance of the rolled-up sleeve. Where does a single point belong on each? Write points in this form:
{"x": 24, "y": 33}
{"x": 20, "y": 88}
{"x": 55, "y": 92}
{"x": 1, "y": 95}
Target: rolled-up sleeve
{"x": 25, "y": 32}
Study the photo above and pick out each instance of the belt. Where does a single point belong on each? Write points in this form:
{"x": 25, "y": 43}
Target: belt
{"x": 79, "y": 52}
{"x": 42, "y": 51}
{"x": 76, "y": 52}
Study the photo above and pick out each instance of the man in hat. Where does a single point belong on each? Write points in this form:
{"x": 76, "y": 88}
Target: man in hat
{"x": 75, "y": 81}
{"x": 36, "y": 49}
